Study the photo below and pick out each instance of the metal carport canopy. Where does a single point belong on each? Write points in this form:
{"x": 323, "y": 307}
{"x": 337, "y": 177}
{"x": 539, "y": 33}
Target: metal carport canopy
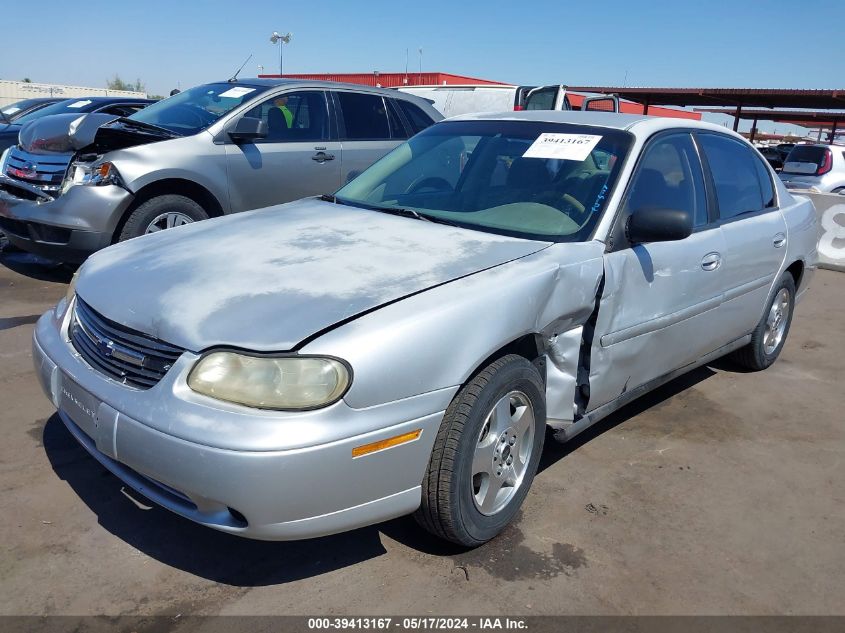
{"x": 737, "y": 97}
{"x": 804, "y": 118}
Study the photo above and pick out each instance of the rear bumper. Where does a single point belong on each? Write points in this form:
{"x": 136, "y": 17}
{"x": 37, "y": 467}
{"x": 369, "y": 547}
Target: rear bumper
{"x": 67, "y": 228}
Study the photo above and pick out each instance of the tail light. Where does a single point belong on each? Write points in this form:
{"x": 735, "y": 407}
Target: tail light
{"x": 518, "y": 108}
{"x": 827, "y": 163}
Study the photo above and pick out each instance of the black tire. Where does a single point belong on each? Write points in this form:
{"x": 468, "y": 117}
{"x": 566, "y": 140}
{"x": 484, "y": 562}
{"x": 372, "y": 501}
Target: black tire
{"x": 754, "y": 356}
{"x": 448, "y": 509}
{"x": 138, "y": 221}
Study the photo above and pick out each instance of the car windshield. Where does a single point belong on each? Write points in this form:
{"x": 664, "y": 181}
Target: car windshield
{"x": 529, "y": 179}
{"x": 194, "y": 110}
{"x": 68, "y": 106}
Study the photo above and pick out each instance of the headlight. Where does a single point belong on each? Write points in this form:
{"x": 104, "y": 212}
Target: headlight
{"x": 102, "y": 173}
{"x": 288, "y": 382}
{"x": 3, "y": 160}
{"x": 61, "y": 307}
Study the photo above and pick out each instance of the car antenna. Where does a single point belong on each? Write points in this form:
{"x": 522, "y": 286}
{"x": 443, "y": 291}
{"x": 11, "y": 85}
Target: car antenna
{"x": 235, "y": 76}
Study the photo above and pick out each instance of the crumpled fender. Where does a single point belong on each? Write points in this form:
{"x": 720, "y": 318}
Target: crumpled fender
{"x": 437, "y": 339}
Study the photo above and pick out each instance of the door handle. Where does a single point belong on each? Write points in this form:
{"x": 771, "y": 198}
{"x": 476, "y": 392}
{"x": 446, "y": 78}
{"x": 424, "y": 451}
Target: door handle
{"x": 322, "y": 157}
{"x": 779, "y": 240}
{"x": 711, "y": 261}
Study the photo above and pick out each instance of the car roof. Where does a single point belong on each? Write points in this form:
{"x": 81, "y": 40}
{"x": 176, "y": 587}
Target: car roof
{"x": 112, "y": 99}
{"x": 277, "y": 83}
{"x": 638, "y": 124}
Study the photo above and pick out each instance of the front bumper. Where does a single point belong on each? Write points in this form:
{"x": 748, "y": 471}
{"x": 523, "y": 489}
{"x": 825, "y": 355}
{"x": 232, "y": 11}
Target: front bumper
{"x": 279, "y": 493}
{"x": 67, "y": 228}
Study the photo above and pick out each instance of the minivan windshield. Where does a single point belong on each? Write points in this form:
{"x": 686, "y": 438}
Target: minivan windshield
{"x": 193, "y": 110}
{"x": 530, "y": 179}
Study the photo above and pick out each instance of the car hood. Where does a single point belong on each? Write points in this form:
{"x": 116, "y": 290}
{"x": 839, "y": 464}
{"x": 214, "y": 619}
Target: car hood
{"x": 267, "y": 280}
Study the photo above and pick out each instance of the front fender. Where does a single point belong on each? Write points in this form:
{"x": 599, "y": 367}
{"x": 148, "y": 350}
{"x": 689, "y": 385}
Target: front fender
{"x": 438, "y": 338}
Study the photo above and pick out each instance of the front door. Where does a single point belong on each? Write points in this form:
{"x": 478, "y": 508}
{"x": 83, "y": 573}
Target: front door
{"x": 297, "y": 158}
{"x": 659, "y": 304}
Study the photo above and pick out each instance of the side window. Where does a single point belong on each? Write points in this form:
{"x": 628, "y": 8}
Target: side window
{"x": 418, "y": 119}
{"x": 294, "y": 116}
{"x": 766, "y": 187}
{"x": 669, "y": 176}
{"x": 735, "y": 176}
{"x": 364, "y": 116}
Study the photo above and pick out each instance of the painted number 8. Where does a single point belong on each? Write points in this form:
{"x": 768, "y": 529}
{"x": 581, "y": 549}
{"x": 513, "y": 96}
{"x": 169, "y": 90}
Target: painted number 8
{"x": 833, "y": 231}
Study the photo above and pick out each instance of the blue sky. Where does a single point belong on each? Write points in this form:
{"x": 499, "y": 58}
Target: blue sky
{"x": 712, "y": 43}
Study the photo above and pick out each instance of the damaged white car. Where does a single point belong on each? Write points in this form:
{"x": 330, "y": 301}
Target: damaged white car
{"x": 401, "y": 347}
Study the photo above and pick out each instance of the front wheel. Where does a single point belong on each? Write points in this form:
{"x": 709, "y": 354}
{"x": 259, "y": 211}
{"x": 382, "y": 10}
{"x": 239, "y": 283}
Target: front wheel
{"x": 770, "y": 334}
{"x": 486, "y": 453}
{"x": 160, "y": 213}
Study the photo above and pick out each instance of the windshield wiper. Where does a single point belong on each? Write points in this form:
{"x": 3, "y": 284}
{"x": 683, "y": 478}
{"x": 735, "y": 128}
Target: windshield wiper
{"x": 400, "y": 211}
{"x": 147, "y": 126}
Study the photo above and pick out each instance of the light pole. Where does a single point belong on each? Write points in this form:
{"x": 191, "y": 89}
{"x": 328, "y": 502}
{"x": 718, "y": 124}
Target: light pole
{"x": 281, "y": 40}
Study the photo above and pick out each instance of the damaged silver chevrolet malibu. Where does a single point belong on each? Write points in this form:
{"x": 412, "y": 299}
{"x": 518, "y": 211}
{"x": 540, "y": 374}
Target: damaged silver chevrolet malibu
{"x": 402, "y": 346}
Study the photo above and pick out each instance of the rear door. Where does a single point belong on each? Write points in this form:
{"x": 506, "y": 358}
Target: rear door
{"x": 658, "y": 310}
{"x": 754, "y": 229}
{"x": 368, "y": 128}
{"x": 298, "y": 158}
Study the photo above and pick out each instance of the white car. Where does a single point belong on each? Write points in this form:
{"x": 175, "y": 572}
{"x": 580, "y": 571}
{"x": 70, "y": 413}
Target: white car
{"x": 819, "y": 168}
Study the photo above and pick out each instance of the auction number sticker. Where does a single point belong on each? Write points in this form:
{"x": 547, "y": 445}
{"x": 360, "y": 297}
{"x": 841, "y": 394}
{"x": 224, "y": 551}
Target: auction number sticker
{"x": 237, "y": 91}
{"x": 79, "y": 104}
{"x": 562, "y": 146}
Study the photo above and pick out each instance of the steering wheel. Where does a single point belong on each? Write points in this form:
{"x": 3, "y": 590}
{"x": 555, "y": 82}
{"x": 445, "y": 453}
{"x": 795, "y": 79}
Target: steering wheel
{"x": 434, "y": 183}
{"x": 202, "y": 117}
{"x": 574, "y": 203}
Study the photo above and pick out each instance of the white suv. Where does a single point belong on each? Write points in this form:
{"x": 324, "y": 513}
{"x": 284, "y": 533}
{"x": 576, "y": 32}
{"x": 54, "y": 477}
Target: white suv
{"x": 819, "y": 167}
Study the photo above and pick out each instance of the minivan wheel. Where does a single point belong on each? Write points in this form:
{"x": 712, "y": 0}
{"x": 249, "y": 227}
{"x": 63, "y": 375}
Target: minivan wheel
{"x": 770, "y": 334}
{"x": 160, "y": 213}
{"x": 485, "y": 454}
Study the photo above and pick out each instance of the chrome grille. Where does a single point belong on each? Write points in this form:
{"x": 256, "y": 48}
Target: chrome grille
{"x": 45, "y": 171}
{"x": 125, "y": 355}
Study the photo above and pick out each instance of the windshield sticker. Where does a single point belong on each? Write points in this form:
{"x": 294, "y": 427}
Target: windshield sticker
{"x": 10, "y": 110}
{"x": 237, "y": 92}
{"x": 79, "y": 104}
{"x": 562, "y": 146}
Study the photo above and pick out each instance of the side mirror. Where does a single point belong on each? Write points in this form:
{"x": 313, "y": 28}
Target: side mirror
{"x": 248, "y": 129}
{"x": 658, "y": 225}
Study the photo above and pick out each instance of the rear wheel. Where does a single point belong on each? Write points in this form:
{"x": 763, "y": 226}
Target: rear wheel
{"x": 161, "y": 213}
{"x": 486, "y": 453}
{"x": 770, "y": 334}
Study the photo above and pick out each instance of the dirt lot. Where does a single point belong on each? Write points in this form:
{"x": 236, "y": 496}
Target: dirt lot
{"x": 720, "y": 493}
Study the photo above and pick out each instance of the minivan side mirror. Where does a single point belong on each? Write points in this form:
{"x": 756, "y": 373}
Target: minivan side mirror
{"x": 658, "y": 225}
{"x": 248, "y": 129}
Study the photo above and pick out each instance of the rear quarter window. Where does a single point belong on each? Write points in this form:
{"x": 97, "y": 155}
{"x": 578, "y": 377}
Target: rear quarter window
{"x": 417, "y": 119}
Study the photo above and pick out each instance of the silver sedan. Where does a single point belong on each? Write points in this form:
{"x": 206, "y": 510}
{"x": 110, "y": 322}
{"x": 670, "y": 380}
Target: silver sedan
{"x": 401, "y": 346}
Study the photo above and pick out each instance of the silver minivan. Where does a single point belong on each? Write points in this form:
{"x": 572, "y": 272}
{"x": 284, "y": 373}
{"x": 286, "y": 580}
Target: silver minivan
{"x": 74, "y": 185}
